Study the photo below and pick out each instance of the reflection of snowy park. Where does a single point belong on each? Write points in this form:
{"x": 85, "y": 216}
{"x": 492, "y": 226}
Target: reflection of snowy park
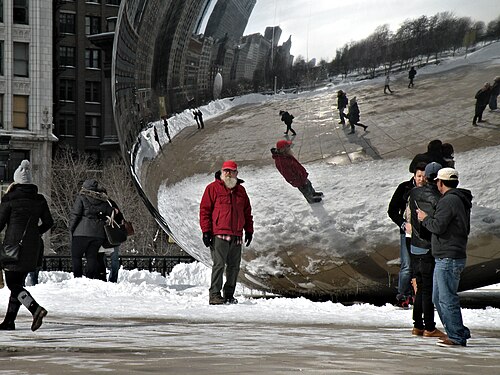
{"x": 353, "y": 213}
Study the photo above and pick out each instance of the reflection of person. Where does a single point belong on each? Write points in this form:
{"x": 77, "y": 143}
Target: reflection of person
{"x": 165, "y": 125}
{"x": 342, "y": 102}
{"x": 293, "y": 172}
{"x": 434, "y": 153}
{"x": 86, "y": 226}
{"x": 397, "y": 212}
{"x": 482, "y": 99}
{"x": 411, "y": 75}
{"x": 114, "y": 253}
{"x": 200, "y": 118}
{"x": 353, "y": 115}
{"x": 287, "y": 118}
{"x": 195, "y": 116}
{"x": 422, "y": 261}
{"x": 157, "y": 138}
{"x": 21, "y": 210}
{"x": 495, "y": 90}
{"x": 448, "y": 155}
{"x": 225, "y": 211}
{"x": 387, "y": 83}
{"x": 450, "y": 227}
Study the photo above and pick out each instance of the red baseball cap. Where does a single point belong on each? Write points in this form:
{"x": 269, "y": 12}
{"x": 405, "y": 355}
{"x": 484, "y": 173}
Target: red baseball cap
{"x": 229, "y": 164}
{"x": 282, "y": 143}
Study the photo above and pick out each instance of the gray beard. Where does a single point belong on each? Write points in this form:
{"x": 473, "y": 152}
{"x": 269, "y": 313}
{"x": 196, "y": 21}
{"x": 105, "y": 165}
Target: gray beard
{"x": 230, "y": 182}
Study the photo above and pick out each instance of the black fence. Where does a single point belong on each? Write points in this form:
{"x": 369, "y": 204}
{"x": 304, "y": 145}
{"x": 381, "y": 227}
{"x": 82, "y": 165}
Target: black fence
{"x": 161, "y": 264}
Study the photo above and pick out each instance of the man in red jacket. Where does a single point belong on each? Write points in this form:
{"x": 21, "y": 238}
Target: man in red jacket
{"x": 293, "y": 172}
{"x": 225, "y": 211}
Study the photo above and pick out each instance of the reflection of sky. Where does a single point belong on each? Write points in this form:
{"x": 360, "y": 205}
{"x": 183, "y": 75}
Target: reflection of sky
{"x": 319, "y": 27}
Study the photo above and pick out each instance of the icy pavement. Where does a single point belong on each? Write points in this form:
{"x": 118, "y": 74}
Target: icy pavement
{"x": 139, "y": 346}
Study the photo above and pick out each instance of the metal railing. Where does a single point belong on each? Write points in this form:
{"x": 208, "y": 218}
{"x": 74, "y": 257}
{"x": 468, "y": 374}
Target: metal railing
{"x": 160, "y": 264}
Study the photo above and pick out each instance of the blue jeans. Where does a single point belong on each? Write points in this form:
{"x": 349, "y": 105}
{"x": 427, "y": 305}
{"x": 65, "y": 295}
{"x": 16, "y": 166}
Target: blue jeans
{"x": 404, "y": 283}
{"x": 445, "y": 297}
{"x": 115, "y": 265}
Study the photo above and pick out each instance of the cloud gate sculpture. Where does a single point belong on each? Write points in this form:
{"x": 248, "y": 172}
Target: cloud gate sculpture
{"x": 174, "y": 59}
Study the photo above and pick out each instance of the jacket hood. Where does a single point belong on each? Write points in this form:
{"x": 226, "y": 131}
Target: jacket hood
{"x": 464, "y": 194}
{"x": 90, "y": 184}
{"x": 218, "y": 174}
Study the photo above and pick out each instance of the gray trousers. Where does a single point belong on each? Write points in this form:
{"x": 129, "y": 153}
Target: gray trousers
{"x": 224, "y": 253}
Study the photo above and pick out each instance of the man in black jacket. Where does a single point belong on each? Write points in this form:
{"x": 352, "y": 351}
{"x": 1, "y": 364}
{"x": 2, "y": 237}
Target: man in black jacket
{"x": 342, "y": 102}
{"x": 422, "y": 261}
{"x": 397, "y": 213}
{"x": 287, "y": 118}
{"x": 450, "y": 227}
{"x": 482, "y": 99}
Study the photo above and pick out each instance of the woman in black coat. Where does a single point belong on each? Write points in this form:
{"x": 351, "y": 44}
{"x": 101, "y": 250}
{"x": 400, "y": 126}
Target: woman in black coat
{"x": 86, "y": 226}
{"x": 21, "y": 210}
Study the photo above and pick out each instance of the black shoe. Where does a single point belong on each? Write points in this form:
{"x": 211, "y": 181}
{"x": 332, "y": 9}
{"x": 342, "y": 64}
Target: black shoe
{"x": 315, "y": 200}
{"x": 216, "y": 300}
{"x": 364, "y": 127}
{"x": 285, "y": 133}
{"x": 7, "y": 326}
{"x": 230, "y": 301}
{"x": 318, "y": 194}
{"x": 481, "y": 120}
{"x": 474, "y": 124}
{"x": 39, "y": 314}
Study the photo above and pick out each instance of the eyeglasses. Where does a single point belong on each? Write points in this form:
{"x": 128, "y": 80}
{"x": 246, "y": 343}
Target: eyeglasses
{"x": 229, "y": 170}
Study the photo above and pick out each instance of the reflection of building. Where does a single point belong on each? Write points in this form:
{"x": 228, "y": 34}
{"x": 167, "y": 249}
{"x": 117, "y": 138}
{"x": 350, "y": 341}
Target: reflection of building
{"x": 252, "y": 54}
{"x": 26, "y": 89}
{"x": 229, "y": 18}
{"x": 82, "y": 103}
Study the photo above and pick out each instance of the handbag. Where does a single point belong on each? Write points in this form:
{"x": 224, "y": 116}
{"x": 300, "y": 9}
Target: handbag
{"x": 115, "y": 235}
{"x": 9, "y": 254}
{"x": 129, "y": 228}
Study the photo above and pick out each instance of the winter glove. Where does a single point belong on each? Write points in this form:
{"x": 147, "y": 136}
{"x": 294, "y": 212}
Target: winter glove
{"x": 248, "y": 238}
{"x": 207, "y": 238}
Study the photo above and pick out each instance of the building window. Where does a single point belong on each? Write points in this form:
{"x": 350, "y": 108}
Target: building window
{"x": 20, "y": 112}
{"x": 111, "y": 24}
{"x": 21, "y": 59}
{"x": 66, "y": 125}
{"x": 66, "y": 56}
{"x": 92, "y": 25}
{"x": 9, "y": 161}
{"x": 67, "y": 90}
{"x": 92, "y": 126}
{"x": 1, "y": 10}
{"x": 1, "y": 56}
{"x": 21, "y": 12}
{"x": 92, "y": 58}
{"x": 93, "y": 92}
{"x": 67, "y": 23}
{"x": 113, "y": 2}
{"x": 1, "y": 111}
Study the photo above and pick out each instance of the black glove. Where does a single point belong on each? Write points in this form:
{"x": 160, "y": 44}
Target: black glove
{"x": 207, "y": 238}
{"x": 248, "y": 238}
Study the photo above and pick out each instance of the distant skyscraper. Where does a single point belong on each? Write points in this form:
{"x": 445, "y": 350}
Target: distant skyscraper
{"x": 273, "y": 34}
{"x": 229, "y": 17}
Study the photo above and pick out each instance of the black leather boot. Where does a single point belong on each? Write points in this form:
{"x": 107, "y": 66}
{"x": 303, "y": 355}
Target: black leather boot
{"x": 11, "y": 315}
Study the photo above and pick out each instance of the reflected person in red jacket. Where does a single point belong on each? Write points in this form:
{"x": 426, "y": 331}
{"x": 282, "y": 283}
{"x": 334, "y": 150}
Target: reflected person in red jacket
{"x": 225, "y": 211}
{"x": 293, "y": 172}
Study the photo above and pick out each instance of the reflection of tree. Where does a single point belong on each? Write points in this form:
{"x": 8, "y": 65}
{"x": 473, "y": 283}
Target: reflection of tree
{"x": 414, "y": 43}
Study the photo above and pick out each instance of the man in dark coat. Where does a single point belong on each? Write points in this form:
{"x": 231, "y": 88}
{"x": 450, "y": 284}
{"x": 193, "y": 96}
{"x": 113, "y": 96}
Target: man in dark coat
{"x": 450, "y": 228}
{"x": 165, "y": 125}
{"x": 495, "y": 90}
{"x": 225, "y": 211}
{"x": 411, "y": 75}
{"x": 482, "y": 100}
{"x": 422, "y": 261}
{"x": 21, "y": 210}
{"x": 287, "y": 118}
{"x": 342, "y": 102}
{"x": 86, "y": 227}
{"x": 293, "y": 172}
{"x": 353, "y": 115}
{"x": 434, "y": 153}
{"x": 397, "y": 211}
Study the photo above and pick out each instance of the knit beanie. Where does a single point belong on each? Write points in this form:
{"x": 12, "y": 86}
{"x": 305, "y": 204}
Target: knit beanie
{"x": 22, "y": 175}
